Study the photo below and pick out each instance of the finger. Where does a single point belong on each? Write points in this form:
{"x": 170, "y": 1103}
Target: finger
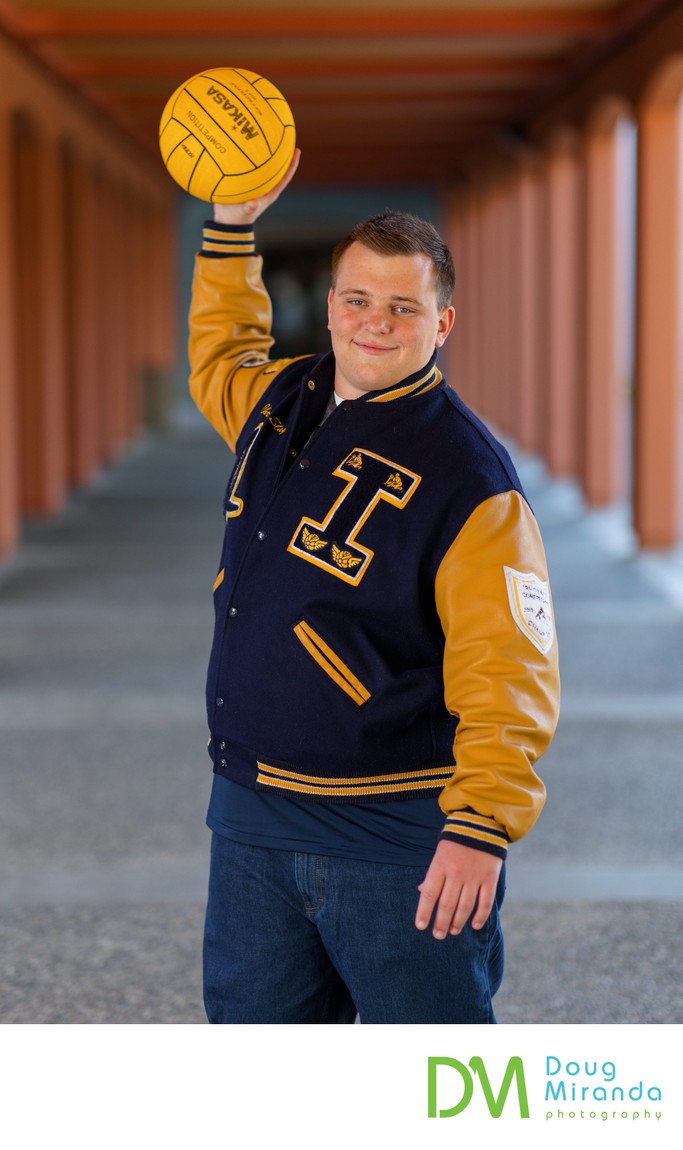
{"x": 291, "y": 171}
{"x": 463, "y": 910}
{"x": 484, "y": 907}
{"x": 264, "y": 202}
{"x": 449, "y": 904}
{"x": 429, "y": 890}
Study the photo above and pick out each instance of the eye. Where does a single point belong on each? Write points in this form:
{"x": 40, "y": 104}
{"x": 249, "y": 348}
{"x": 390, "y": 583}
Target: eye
{"x": 404, "y": 310}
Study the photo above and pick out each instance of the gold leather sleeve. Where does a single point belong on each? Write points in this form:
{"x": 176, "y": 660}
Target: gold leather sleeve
{"x": 501, "y": 675}
{"x": 229, "y": 341}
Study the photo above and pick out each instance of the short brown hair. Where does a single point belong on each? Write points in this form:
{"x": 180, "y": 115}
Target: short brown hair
{"x": 399, "y": 233}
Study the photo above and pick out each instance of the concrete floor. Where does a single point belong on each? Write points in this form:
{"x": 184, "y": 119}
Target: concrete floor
{"x": 105, "y": 624}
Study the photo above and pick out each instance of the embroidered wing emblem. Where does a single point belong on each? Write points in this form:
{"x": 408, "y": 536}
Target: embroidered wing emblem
{"x": 531, "y": 608}
{"x": 311, "y": 541}
{"x": 344, "y": 559}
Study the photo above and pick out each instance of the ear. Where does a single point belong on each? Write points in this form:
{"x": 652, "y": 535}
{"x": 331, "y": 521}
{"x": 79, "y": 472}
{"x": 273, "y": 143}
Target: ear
{"x": 445, "y": 324}
{"x": 330, "y": 297}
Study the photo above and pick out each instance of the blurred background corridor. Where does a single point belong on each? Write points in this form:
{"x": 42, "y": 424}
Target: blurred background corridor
{"x": 544, "y": 140}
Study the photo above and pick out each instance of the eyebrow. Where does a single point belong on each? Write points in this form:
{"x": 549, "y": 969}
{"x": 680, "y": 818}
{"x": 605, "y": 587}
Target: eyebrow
{"x": 393, "y": 298}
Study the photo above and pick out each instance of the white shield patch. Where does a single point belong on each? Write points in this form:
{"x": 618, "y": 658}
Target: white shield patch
{"x": 531, "y": 609}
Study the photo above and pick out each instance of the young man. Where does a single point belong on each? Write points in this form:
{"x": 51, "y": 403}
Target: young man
{"x": 384, "y": 674}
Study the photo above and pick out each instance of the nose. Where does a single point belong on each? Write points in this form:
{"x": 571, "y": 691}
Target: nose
{"x": 377, "y": 319}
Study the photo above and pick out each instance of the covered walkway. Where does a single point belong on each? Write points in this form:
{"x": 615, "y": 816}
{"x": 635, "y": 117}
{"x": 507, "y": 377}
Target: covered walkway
{"x": 106, "y": 617}
{"x": 547, "y": 141}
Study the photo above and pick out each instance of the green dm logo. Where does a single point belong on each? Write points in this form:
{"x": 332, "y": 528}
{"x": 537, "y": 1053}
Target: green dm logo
{"x": 465, "y": 1086}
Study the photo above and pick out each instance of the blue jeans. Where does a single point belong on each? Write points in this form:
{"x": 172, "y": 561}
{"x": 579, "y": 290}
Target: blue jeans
{"x": 293, "y": 937}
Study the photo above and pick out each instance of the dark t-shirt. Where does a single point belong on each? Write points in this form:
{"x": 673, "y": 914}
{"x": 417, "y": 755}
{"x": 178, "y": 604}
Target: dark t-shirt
{"x": 403, "y": 831}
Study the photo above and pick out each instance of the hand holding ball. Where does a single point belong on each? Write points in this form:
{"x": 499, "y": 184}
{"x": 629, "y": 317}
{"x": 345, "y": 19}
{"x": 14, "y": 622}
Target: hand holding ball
{"x": 227, "y": 136}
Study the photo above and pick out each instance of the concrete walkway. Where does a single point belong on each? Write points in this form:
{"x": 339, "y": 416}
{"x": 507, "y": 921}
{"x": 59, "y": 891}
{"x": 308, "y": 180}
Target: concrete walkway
{"x": 105, "y": 623}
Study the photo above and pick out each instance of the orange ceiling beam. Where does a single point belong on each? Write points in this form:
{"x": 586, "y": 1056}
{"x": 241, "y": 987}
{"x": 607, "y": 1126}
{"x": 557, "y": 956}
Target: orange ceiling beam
{"x": 126, "y": 68}
{"x": 314, "y": 23}
{"x": 338, "y": 165}
{"x": 322, "y": 99}
{"x": 318, "y": 131}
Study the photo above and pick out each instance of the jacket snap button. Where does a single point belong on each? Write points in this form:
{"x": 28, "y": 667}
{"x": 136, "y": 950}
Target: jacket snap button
{"x": 311, "y": 385}
{"x": 222, "y": 746}
{"x": 304, "y": 464}
{"x": 261, "y": 535}
{"x": 294, "y": 453}
{"x": 223, "y": 763}
{"x": 347, "y": 405}
{"x": 232, "y": 612}
{"x": 219, "y": 702}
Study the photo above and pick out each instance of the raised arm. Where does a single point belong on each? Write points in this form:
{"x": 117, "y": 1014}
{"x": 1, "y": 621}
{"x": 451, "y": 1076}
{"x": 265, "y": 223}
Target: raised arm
{"x": 230, "y": 317}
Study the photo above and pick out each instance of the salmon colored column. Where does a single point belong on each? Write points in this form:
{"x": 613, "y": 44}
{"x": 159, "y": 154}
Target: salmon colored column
{"x": 487, "y": 305}
{"x": 473, "y": 290}
{"x": 529, "y": 312}
{"x": 507, "y": 368}
{"x": 154, "y": 270}
{"x": 166, "y": 265}
{"x": 161, "y": 275}
{"x": 118, "y": 318}
{"x": 657, "y": 400}
{"x": 54, "y": 343}
{"x": 491, "y": 317}
{"x": 507, "y": 382}
{"x": 9, "y": 417}
{"x": 452, "y": 357}
{"x": 611, "y": 180}
{"x": 451, "y": 227}
{"x": 565, "y": 269}
{"x": 136, "y": 292}
{"x": 40, "y": 280}
{"x": 108, "y": 325}
{"x": 136, "y": 289}
{"x": 601, "y": 423}
{"x": 84, "y": 378}
{"x": 171, "y": 233}
{"x": 463, "y": 301}
{"x": 113, "y": 317}
{"x": 498, "y": 333}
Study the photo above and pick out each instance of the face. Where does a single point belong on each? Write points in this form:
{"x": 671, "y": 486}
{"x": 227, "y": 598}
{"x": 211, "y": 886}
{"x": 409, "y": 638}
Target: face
{"x": 384, "y": 319}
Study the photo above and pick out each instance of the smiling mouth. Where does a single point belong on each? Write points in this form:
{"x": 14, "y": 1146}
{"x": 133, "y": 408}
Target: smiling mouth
{"x": 372, "y": 348}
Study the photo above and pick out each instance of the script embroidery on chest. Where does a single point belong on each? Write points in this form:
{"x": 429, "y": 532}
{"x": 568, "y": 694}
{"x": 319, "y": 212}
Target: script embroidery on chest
{"x": 274, "y": 420}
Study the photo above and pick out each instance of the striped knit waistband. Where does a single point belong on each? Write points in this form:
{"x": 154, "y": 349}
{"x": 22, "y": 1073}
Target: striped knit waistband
{"x": 345, "y": 789}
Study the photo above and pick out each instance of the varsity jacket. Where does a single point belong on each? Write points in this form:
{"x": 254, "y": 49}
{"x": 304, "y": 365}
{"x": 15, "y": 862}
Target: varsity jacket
{"x": 383, "y": 621}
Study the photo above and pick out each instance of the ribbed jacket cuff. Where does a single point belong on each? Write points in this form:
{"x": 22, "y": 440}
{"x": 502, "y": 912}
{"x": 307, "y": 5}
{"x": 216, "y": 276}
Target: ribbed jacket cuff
{"x": 477, "y": 831}
{"x": 221, "y": 240}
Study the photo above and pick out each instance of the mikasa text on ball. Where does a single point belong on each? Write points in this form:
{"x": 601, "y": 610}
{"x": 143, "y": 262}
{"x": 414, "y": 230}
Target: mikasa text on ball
{"x": 227, "y": 135}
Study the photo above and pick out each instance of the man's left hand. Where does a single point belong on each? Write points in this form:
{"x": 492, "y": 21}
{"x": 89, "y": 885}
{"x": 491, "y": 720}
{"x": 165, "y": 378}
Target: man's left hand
{"x": 460, "y": 881}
